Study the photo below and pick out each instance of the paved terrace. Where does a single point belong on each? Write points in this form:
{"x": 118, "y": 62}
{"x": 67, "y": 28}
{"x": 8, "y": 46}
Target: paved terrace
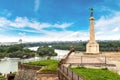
{"x": 106, "y": 57}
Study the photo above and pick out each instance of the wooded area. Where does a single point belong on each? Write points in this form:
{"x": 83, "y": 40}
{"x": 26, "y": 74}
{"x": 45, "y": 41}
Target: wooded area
{"x": 47, "y": 48}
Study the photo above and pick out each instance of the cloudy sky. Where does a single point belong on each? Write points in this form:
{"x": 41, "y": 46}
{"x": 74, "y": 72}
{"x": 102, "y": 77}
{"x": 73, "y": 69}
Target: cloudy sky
{"x": 58, "y": 20}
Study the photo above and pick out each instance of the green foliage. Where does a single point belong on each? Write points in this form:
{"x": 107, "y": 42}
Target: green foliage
{"x": 15, "y": 54}
{"x": 3, "y": 49}
{"x": 50, "y": 68}
{"x": 6, "y": 51}
{"x": 79, "y": 45}
{"x": 20, "y": 54}
{"x": 27, "y": 50}
{"x": 2, "y": 76}
{"x": 48, "y": 65}
{"x": 96, "y": 74}
{"x": 46, "y": 51}
{"x": 104, "y": 68}
{"x": 43, "y": 62}
{"x": 15, "y": 51}
{"x": 14, "y": 48}
{"x": 109, "y": 45}
{"x": 2, "y": 55}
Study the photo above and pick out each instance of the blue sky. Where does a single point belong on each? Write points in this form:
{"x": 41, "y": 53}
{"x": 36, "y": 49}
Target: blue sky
{"x": 58, "y": 20}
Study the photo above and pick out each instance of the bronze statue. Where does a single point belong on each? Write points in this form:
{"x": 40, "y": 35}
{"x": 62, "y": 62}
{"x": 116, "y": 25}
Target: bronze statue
{"x": 91, "y": 12}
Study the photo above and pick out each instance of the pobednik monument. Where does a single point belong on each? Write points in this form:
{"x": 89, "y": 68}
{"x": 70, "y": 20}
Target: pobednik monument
{"x": 92, "y": 46}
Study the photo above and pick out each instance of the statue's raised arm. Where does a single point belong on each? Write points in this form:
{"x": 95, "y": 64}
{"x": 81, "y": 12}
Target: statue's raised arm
{"x": 91, "y": 12}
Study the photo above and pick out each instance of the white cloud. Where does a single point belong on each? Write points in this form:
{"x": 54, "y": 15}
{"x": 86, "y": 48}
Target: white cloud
{"x": 22, "y": 22}
{"x": 4, "y": 22}
{"x": 8, "y": 38}
{"x": 49, "y": 36}
{"x": 36, "y": 3}
{"x": 38, "y": 26}
{"x": 108, "y": 27}
{"x": 19, "y": 22}
{"x": 116, "y": 29}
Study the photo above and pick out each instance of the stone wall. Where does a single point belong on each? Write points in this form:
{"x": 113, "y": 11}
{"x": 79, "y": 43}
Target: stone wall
{"x": 11, "y": 76}
{"x": 28, "y": 72}
{"x": 46, "y": 76}
{"x": 3, "y": 79}
{"x": 111, "y": 52}
{"x": 25, "y": 75}
{"x": 26, "y": 67}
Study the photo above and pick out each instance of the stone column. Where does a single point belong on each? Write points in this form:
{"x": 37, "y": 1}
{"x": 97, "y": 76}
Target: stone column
{"x": 92, "y": 35}
{"x": 92, "y": 46}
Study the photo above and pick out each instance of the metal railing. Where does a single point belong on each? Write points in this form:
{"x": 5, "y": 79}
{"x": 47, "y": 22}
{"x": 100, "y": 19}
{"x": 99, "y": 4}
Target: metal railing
{"x": 100, "y": 61}
{"x": 65, "y": 73}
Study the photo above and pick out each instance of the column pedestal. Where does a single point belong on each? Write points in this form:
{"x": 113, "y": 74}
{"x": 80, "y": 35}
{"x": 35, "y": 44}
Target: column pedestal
{"x": 92, "y": 48}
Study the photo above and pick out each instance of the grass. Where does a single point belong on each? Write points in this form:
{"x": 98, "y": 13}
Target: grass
{"x": 96, "y": 74}
{"x": 47, "y": 65}
{"x": 2, "y": 76}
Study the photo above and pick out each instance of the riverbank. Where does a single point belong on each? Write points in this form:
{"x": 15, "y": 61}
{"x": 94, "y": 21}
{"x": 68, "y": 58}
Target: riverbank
{"x": 8, "y": 65}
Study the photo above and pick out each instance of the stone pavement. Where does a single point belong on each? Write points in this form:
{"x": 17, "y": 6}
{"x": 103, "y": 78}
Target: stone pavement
{"x": 107, "y": 57}
{"x": 116, "y": 61}
{"x": 80, "y": 58}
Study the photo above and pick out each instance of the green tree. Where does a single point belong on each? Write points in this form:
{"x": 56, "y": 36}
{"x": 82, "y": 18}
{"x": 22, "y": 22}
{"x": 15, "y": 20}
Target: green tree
{"x": 15, "y": 48}
{"x": 46, "y": 51}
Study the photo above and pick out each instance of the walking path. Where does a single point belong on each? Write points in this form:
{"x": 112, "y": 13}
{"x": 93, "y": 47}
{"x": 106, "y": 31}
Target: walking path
{"x": 116, "y": 61}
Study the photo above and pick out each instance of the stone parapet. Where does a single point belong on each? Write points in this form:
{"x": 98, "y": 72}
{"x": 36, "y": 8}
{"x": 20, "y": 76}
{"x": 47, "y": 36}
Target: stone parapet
{"x": 46, "y": 76}
{"x": 26, "y": 66}
{"x": 28, "y": 72}
{"x": 3, "y": 79}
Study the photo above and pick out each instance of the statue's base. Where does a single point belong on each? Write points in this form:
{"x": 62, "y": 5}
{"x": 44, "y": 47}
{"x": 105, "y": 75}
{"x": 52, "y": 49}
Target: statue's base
{"x": 92, "y": 48}
{"x": 91, "y": 53}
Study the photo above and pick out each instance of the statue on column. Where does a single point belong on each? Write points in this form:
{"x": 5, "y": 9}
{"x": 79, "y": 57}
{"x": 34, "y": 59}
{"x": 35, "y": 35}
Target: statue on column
{"x": 91, "y": 12}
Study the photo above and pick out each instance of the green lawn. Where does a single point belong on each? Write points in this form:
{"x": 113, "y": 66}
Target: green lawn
{"x": 2, "y": 76}
{"x": 96, "y": 74}
{"x": 47, "y": 65}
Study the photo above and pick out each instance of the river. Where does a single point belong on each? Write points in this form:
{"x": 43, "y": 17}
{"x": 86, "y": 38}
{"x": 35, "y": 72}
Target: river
{"x": 11, "y": 64}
